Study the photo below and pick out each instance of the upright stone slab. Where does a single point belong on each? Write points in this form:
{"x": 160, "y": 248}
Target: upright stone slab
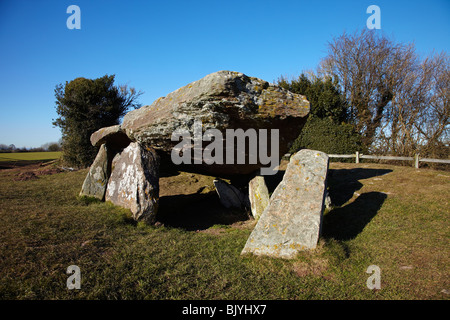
{"x": 96, "y": 180}
{"x": 293, "y": 219}
{"x": 258, "y": 195}
{"x": 134, "y": 182}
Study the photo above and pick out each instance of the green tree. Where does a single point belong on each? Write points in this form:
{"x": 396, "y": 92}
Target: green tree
{"x": 84, "y": 106}
{"x": 323, "y": 94}
{"x": 329, "y": 127}
{"x": 326, "y": 135}
{"x": 54, "y": 147}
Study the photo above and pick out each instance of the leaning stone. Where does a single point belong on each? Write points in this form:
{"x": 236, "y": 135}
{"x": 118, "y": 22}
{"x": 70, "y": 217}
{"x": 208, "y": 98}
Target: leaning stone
{"x": 258, "y": 196}
{"x": 134, "y": 182}
{"x": 229, "y": 195}
{"x": 293, "y": 219}
{"x": 96, "y": 180}
{"x": 113, "y": 135}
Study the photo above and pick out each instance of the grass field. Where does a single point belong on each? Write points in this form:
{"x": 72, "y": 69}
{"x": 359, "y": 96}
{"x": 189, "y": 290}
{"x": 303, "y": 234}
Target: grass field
{"x": 394, "y": 217}
{"x": 29, "y": 156}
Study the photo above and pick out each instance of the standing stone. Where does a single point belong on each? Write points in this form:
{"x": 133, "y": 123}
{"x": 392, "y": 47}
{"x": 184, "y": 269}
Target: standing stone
{"x": 229, "y": 195}
{"x": 258, "y": 196}
{"x": 134, "y": 182}
{"x": 96, "y": 180}
{"x": 293, "y": 219}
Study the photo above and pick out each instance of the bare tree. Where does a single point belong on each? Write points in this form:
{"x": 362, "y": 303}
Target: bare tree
{"x": 417, "y": 119}
{"x": 434, "y": 120}
{"x": 369, "y": 67}
{"x": 409, "y": 99}
{"x": 398, "y": 102}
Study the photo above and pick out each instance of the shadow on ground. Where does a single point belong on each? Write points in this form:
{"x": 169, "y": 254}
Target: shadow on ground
{"x": 200, "y": 211}
{"x": 197, "y": 212}
{"x": 20, "y": 163}
{"x": 342, "y": 183}
{"x": 347, "y": 222}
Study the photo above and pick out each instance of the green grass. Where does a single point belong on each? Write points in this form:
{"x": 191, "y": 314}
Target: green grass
{"x": 30, "y": 156}
{"x": 398, "y": 222}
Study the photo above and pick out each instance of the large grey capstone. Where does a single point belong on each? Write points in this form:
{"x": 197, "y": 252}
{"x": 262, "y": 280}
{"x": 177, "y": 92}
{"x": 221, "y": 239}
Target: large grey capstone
{"x": 96, "y": 180}
{"x": 293, "y": 219}
{"x": 222, "y": 100}
{"x": 134, "y": 182}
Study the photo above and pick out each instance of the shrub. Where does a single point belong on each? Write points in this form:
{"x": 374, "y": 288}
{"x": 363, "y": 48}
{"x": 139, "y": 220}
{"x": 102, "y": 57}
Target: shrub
{"x": 84, "y": 106}
{"x": 328, "y": 136}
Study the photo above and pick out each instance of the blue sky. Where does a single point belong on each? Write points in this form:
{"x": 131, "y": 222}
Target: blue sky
{"x": 159, "y": 46}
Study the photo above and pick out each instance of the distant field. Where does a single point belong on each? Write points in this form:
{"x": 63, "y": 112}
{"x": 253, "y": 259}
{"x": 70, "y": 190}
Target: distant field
{"x": 29, "y": 156}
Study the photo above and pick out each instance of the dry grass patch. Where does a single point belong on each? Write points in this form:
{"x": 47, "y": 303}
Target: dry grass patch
{"x": 315, "y": 267}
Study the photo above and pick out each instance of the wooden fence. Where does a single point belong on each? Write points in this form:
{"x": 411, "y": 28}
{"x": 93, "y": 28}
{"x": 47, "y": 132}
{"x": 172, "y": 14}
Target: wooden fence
{"x": 416, "y": 158}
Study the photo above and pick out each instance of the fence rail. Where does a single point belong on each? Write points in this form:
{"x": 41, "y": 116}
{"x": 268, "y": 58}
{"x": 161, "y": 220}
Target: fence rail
{"x": 416, "y": 158}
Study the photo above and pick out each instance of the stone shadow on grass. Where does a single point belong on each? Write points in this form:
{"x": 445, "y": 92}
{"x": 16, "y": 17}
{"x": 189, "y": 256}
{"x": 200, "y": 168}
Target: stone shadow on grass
{"x": 347, "y": 222}
{"x": 198, "y": 211}
{"x": 342, "y": 183}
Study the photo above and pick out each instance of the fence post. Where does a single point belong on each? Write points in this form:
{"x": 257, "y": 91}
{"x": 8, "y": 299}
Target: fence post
{"x": 416, "y": 161}
{"x": 357, "y": 157}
